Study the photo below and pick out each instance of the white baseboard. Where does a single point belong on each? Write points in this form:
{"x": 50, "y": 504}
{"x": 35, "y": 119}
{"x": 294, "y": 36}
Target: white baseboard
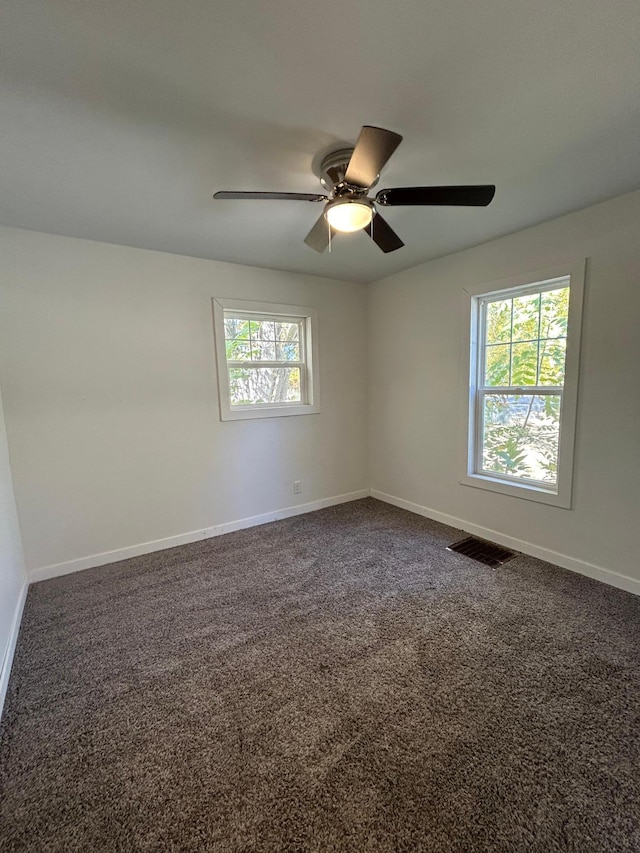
{"x": 94, "y": 560}
{"x": 5, "y": 672}
{"x": 574, "y": 565}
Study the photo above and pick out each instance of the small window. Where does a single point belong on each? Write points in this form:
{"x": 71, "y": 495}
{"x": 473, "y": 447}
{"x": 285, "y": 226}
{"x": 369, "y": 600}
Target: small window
{"x": 267, "y": 363}
{"x": 522, "y": 388}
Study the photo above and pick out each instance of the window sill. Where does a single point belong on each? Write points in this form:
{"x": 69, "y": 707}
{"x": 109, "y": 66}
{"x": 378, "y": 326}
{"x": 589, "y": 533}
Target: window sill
{"x": 268, "y": 412}
{"x": 517, "y": 490}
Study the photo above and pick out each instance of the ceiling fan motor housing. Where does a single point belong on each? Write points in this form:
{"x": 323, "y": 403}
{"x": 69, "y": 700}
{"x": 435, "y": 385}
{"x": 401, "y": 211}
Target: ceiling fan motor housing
{"x": 332, "y": 174}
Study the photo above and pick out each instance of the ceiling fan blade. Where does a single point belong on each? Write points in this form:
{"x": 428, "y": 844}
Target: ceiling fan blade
{"x": 468, "y": 196}
{"x": 270, "y": 196}
{"x": 383, "y": 234}
{"x": 318, "y": 237}
{"x": 374, "y": 147}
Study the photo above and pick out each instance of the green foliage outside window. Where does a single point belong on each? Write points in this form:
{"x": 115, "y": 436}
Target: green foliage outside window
{"x": 525, "y": 346}
{"x": 250, "y": 343}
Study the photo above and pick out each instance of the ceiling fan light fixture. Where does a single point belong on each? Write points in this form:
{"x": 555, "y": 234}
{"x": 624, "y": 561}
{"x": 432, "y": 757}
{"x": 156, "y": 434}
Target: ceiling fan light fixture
{"x": 349, "y": 214}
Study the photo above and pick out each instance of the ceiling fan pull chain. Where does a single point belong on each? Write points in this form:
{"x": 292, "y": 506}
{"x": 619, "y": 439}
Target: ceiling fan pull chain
{"x": 329, "y": 227}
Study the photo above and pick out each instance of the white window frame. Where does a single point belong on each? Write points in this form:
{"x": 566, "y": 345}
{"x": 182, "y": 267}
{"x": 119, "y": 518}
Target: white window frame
{"x": 560, "y": 493}
{"x": 309, "y": 382}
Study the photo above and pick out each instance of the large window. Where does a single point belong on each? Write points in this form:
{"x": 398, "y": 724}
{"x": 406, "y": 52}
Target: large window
{"x": 265, "y": 358}
{"x": 523, "y": 386}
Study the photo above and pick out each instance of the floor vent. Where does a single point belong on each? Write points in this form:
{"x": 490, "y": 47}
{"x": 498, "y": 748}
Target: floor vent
{"x": 484, "y": 552}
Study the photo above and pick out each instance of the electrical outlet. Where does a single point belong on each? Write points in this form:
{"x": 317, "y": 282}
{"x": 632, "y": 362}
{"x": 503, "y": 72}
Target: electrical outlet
{"x": 297, "y": 487}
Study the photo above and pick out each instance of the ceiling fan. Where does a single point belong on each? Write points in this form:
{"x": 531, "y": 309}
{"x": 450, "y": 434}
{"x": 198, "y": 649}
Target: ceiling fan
{"x": 349, "y": 174}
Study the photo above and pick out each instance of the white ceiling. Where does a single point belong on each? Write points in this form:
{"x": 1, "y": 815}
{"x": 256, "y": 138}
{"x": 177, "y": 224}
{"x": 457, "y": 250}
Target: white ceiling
{"x": 120, "y": 118}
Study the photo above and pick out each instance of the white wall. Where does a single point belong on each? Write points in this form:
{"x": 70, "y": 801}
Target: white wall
{"x": 417, "y": 361}
{"x": 109, "y": 379}
{"x": 13, "y": 578}
{"x": 108, "y": 374}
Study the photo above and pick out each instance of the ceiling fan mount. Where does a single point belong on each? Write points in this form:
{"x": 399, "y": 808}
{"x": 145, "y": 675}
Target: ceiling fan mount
{"x": 348, "y": 174}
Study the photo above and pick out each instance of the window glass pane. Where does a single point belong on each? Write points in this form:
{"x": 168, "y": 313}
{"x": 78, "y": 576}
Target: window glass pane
{"x": 263, "y": 350}
{"x": 520, "y": 435}
{"x": 254, "y": 385}
{"x": 552, "y": 358}
{"x": 287, "y": 331}
{"x": 496, "y": 370}
{"x": 525, "y": 317}
{"x": 288, "y": 351}
{"x": 238, "y": 350}
{"x": 524, "y": 364}
{"x": 498, "y": 321}
{"x": 236, "y": 329}
{"x": 555, "y": 313}
{"x": 263, "y": 330}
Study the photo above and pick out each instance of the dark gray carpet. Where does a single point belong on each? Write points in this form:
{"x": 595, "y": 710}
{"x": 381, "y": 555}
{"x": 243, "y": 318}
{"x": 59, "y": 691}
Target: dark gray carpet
{"x": 332, "y": 682}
